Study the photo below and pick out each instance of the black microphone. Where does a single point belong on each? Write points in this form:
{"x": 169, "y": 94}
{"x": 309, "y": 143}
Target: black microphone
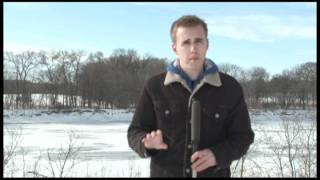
{"x": 195, "y": 127}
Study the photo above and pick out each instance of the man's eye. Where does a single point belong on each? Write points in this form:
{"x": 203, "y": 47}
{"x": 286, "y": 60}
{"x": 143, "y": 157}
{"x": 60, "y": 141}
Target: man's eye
{"x": 186, "y": 42}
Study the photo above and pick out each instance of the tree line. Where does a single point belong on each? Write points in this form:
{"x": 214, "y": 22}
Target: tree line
{"x": 116, "y": 81}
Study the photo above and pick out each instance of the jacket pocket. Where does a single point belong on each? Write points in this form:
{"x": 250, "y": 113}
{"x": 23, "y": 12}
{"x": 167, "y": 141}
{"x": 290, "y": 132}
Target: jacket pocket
{"x": 169, "y": 118}
{"x": 214, "y": 122}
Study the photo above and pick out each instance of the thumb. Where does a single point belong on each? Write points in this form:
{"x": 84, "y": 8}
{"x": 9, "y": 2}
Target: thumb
{"x": 163, "y": 146}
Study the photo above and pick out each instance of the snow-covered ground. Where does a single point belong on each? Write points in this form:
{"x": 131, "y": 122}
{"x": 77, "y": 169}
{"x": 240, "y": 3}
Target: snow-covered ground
{"x": 101, "y": 136}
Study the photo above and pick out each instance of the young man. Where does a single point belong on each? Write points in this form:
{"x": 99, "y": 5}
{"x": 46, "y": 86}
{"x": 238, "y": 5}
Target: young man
{"x": 161, "y": 128}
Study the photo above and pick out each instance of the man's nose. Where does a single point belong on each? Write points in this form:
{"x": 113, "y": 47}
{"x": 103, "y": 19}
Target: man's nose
{"x": 193, "y": 48}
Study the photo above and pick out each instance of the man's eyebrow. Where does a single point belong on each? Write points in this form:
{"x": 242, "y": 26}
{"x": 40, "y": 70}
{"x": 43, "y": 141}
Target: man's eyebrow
{"x": 186, "y": 41}
{"x": 198, "y": 39}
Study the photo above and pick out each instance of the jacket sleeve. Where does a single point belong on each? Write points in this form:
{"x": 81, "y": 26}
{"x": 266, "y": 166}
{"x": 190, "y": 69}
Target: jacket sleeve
{"x": 239, "y": 136}
{"x": 143, "y": 122}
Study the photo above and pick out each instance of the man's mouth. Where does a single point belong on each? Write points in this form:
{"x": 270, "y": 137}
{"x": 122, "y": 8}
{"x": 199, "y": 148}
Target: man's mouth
{"x": 194, "y": 57}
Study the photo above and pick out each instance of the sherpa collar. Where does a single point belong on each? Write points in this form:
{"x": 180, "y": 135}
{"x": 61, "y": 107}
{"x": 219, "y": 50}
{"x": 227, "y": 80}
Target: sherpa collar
{"x": 211, "y": 75}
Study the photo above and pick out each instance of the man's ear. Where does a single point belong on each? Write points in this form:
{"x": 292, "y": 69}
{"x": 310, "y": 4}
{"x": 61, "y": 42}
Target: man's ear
{"x": 174, "y": 48}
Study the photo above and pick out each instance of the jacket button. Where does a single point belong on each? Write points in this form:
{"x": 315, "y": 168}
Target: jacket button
{"x": 216, "y": 115}
{"x": 189, "y": 146}
{"x": 166, "y": 112}
{"x": 188, "y": 170}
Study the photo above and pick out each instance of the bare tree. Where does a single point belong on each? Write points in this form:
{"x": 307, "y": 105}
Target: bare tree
{"x": 259, "y": 77}
{"x": 62, "y": 161}
{"x": 23, "y": 63}
{"x": 293, "y": 147}
{"x": 50, "y": 63}
{"x": 117, "y": 81}
{"x": 305, "y": 75}
{"x": 281, "y": 86}
{"x": 232, "y": 69}
{"x": 240, "y": 167}
{"x": 73, "y": 70}
{"x": 64, "y": 156}
{"x": 12, "y": 141}
{"x": 278, "y": 150}
{"x": 292, "y": 130}
{"x": 308, "y": 150}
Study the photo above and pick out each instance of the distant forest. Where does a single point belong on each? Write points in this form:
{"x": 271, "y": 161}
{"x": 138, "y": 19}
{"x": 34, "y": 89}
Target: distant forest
{"x": 117, "y": 81}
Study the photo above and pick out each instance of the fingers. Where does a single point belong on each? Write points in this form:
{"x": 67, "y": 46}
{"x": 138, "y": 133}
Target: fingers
{"x": 154, "y": 140}
{"x": 195, "y": 156}
{"x": 163, "y": 145}
{"x": 201, "y": 160}
{"x": 198, "y": 162}
{"x": 147, "y": 140}
{"x": 201, "y": 166}
{"x": 159, "y": 132}
{"x": 153, "y": 134}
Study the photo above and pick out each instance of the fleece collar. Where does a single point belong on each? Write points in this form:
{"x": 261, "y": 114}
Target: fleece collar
{"x": 210, "y": 74}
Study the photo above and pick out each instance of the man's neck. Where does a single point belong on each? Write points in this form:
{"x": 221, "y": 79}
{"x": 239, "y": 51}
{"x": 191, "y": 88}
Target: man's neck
{"x": 192, "y": 73}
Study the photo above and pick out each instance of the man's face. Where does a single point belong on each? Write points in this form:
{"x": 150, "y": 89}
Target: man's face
{"x": 190, "y": 47}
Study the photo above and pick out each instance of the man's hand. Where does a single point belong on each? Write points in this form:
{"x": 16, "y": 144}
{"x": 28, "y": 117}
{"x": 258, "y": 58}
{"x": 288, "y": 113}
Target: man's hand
{"x": 154, "y": 140}
{"x": 203, "y": 159}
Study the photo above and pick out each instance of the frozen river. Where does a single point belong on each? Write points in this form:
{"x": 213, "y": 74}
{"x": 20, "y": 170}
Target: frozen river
{"x": 104, "y": 150}
{"x": 102, "y": 139}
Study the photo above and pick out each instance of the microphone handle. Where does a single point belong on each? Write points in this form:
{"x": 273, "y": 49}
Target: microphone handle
{"x": 195, "y": 128}
{"x": 195, "y": 145}
{"x": 194, "y": 149}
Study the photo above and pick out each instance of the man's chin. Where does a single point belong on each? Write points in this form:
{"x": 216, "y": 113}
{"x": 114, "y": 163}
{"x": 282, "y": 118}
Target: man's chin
{"x": 194, "y": 59}
{"x": 195, "y": 62}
